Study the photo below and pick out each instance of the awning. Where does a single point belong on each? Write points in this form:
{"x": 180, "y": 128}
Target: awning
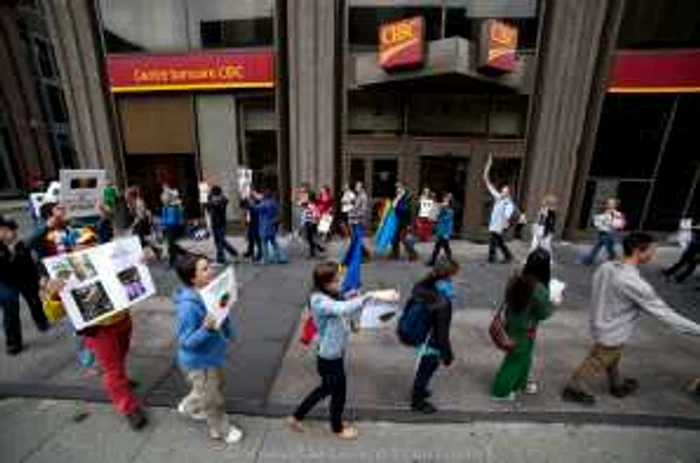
{"x": 658, "y": 71}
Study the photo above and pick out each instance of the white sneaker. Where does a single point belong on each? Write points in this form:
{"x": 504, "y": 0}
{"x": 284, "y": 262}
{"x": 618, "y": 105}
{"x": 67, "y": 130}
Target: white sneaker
{"x": 532, "y": 388}
{"x": 197, "y": 416}
{"x": 234, "y": 435}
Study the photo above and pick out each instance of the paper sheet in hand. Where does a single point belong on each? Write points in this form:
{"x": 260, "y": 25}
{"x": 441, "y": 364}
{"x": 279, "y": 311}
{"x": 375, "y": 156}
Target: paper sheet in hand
{"x": 377, "y": 314}
{"x": 101, "y": 281}
{"x": 556, "y": 290}
{"x": 220, "y": 295}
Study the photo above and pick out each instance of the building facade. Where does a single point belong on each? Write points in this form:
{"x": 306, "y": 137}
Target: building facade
{"x": 583, "y": 100}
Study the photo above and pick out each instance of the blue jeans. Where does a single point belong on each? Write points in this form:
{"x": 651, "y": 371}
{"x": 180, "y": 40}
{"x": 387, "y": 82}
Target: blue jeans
{"x": 277, "y": 256}
{"x": 605, "y": 239}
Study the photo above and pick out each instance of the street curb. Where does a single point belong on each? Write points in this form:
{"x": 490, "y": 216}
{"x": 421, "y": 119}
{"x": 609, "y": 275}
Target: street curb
{"x": 444, "y": 416}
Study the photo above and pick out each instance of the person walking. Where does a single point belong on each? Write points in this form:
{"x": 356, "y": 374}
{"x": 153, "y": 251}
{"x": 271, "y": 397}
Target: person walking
{"x": 347, "y": 201}
{"x": 216, "y": 206}
{"x": 402, "y": 209}
{"x": 437, "y": 291}
{"x": 254, "y": 251}
{"x": 502, "y": 216}
{"x": 201, "y": 350}
{"x": 443, "y": 229}
{"x": 172, "y": 221}
{"x": 619, "y": 296}
{"x": 607, "y": 224}
{"x": 309, "y": 222}
{"x": 687, "y": 263}
{"x": 268, "y": 213}
{"x": 528, "y": 303}
{"x": 330, "y": 314}
{"x": 19, "y": 275}
{"x": 543, "y": 229}
{"x": 357, "y": 217}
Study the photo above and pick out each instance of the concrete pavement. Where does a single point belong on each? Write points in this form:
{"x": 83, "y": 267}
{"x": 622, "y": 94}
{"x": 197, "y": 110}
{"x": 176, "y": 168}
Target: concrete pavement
{"x": 36, "y": 431}
{"x": 267, "y": 373}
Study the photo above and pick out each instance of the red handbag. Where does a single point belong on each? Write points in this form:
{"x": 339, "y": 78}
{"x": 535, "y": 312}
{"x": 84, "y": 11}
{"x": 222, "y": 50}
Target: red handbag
{"x": 308, "y": 330}
{"x": 497, "y": 330}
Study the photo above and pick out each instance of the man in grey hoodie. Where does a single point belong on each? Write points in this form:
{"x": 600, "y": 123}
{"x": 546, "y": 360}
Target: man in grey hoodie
{"x": 619, "y": 296}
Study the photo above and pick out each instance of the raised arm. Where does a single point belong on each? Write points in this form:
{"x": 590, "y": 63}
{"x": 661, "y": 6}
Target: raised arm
{"x": 487, "y": 180}
{"x": 329, "y": 306}
{"x": 645, "y": 297}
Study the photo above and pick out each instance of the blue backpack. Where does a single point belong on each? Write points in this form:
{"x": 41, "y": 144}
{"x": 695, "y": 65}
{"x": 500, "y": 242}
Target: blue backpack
{"x": 414, "y": 324}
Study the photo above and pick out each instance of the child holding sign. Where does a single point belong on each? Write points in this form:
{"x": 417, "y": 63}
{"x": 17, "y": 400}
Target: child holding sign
{"x": 201, "y": 350}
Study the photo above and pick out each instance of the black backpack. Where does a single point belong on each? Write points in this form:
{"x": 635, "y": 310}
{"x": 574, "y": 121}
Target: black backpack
{"x": 413, "y": 326}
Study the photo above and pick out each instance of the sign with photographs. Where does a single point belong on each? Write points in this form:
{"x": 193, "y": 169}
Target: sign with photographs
{"x": 81, "y": 190}
{"x": 101, "y": 281}
{"x": 220, "y": 295}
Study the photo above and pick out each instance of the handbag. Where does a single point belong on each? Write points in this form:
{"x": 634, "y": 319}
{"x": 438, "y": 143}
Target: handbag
{"x": 497, "y": 330}
{"x": 308, "y": 330}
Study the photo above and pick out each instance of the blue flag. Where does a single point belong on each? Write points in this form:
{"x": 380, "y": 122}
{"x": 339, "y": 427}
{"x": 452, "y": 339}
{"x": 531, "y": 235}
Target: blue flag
{"x": 353, "y": 263}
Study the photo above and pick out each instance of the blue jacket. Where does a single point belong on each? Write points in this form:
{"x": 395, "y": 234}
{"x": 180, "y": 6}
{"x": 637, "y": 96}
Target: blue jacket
{"x": 197, "y": 347}
{"x": 267, "y": 215}
{"x": 329, "y": 315}
{"x": 172, "y": 216}
{"x": 445, "y": 223}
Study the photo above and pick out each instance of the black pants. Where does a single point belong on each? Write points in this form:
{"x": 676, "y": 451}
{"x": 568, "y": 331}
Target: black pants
{"x": 332, "y": 374}
{"x": 688, "y": 260}
{"x": 222, "y": 245}
{"x": 11, "y": 317}
{"x": 311, "y": 230}
{"x": 172, "y": 234}
{"x": 496, "y": 241}
{"x": 254, "y": 242}
{"x": 441, "y": 243}
{"x": 426, "y": 369}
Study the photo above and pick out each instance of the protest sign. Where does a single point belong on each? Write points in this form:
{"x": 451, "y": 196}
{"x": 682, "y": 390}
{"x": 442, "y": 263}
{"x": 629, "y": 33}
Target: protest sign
{"x": 377, "y": 314}
{"x": 101, "y": 281}
{"x": 220, "y": 295}
{"x": 81, "y": 190}
{"x": 556, "y": 290}
{"x": 245, "y": 180}
{"x": 36, "y": 200}
{"x": 324, "y": 225}
{"x": 426, "y": 207}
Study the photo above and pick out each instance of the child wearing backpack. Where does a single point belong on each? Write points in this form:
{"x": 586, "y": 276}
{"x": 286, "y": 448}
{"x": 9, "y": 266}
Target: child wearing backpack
{"x": 201, "y": 350}
{"x": 330, "y": 313}
{"x": 433, "y": 296}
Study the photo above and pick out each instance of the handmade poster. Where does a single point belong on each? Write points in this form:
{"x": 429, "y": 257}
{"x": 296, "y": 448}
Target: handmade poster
{"x": 101, "y": 281}
{"x": 220, "y": 295}
{"x": 36, "y": 200}
{"x": 377, "y": 314}
{"x": 245, "y": 180}
{"x": 425, "y": 209}
{"x": 81, "y": 190}
{"x": 324, "y": 225}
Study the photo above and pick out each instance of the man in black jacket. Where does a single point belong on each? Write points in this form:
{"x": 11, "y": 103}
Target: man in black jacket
{"x": 19, "y": 274}
{"x": 217, "y": 204}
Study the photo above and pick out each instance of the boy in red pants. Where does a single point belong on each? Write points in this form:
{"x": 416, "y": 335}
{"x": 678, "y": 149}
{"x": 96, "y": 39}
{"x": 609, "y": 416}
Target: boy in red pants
{"x": 110, "y": 339}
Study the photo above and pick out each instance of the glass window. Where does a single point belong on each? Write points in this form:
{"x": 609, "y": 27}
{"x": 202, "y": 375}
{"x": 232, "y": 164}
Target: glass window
{"x": 629, "y": 135}
{"x": 8, "y": 167}
{"x": 236, "y": 33}
{"x": 45, "y": 58}
{"x": 650, "y": 24}
{"x": 508, "y": 115}
{"x": 447, "y": 114}
{"x": 374, "y": 112}
{"x": 56, "y": 103}
{"x": 384, "y": 177}
{"x": 230, "y": 23}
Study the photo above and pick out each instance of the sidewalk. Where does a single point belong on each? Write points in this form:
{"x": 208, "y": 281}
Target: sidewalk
{"x": 37, "y": 431}
{"x": 267, "y": 372}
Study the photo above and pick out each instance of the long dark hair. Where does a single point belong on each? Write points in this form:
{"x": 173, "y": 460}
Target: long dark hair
{"x": 537, "y": 270}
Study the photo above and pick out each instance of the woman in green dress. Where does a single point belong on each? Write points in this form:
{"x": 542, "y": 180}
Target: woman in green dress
{"x": 527, "y": 304}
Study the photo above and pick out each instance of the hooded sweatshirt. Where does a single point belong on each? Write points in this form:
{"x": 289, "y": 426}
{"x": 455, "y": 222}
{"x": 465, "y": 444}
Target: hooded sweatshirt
{"x": 197, "y": 347}
{"x": 620, "y": 294}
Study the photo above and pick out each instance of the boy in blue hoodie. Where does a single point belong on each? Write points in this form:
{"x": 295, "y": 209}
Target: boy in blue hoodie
{"x": 201, "y": 351}
{"x": 443, "y": 229}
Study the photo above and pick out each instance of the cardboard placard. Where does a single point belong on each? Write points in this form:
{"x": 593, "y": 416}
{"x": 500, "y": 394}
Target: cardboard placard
{"x": 220, "y": 295}
{"x": 81, "y": 190}
{"x": 101, "y": 281}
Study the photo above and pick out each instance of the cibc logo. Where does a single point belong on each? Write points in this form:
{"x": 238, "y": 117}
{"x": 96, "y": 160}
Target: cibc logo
{"x": 401, "y": 43}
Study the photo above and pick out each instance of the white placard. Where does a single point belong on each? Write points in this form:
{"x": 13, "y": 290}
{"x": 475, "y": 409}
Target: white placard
{"x": 376, "y": 314}
{"x": 220, "y": 295}
{"x": 425, "y": 209}
{"x": 101, "y": 281}
{"x": 244, "y": 178}
{"x": 556, "y": 290}
{"x": 36, "y": 200}
{"x": 324, "y": 225}
{"x": 81, "y": 190}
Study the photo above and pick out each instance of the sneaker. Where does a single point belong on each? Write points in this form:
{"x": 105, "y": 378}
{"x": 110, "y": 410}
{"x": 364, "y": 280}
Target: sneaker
{"x": 628, "y": 387}
{"x": 295, "y": 424}
{"x": 572, "y": 395}
{"x": 424, "y": 407}
{"x": 532, "y": 388}
{"x": 507, "y": 398}
{"x": 137, "y": 419}
{"x": 234, "y": 435}
{"x": 14, "y": 350}
{"x": 348, "y": 433}
{"x": 197, "y": 416}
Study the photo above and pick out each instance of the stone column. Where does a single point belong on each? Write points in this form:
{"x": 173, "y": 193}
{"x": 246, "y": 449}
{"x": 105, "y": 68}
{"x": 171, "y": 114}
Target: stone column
{"x": 313, "y": 100}
{"x": 576, "y": 38}
{"x": 77, "y": 47}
